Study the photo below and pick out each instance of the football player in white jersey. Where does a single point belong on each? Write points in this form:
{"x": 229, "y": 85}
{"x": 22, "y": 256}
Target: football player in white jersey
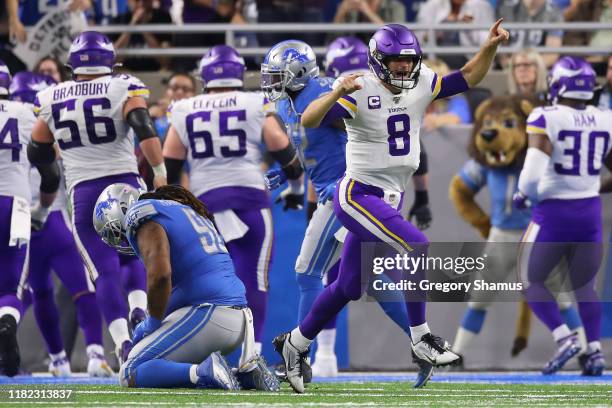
{"x": 89, "y": 117}
{"x": 219, "y": 133}
{"x": 53, "y": 247}
{"x": 16, "y": 123}
{"x": 568, "y": 144}
{"x": 383, "y": 118}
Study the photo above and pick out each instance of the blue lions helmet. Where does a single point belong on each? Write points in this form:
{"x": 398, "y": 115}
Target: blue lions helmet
{"x": 289, "y": 65}
{"x": 109, "y": 215}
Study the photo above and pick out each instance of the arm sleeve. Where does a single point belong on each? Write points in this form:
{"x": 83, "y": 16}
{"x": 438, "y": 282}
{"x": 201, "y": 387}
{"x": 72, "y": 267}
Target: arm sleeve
{"x": 449, "y": 85}
{"x": 474, "y": 175}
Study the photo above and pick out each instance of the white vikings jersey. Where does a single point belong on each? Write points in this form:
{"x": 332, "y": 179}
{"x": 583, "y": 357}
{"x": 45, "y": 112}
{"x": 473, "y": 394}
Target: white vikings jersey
{"x": 16, "y": 122}
{"x": 581, "y": 141}
{"x": 223, "y": 136}
{"x": 86, "y": 119}
{"x": 383, "y": 146}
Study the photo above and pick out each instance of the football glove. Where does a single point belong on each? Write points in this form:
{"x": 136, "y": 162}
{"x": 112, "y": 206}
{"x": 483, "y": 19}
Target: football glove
{"x": 420, "y": 210}
{"x": 275, "y": 178}
{"x": 144, "y": 328}
{"x": 292, "y": 196}
{"x": 521, "y": 201}
{"x": 327, "y": 193}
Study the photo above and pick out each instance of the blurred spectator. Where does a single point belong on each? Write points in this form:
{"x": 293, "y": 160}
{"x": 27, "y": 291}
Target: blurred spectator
{"x": 603, "y": 97}
{"x": 581, "y": 10}
{"x": 533, "y": 11}
{"x": 353, "y": 11}
{"x": 26, "y": 14}
{"x": 103, "y": 12}
{"x": 179, "y": 86}
{"x": 527, "y": 75}
{"x": 444, "y": 112}
{"x": 142, "y": 12}
{"x": 215, "y": 11}
{"x": 603, "y": 38}
{"x": 434, "y": 12}
{"x": 368, "y": 11}
{"x": 290, "y": 11}
{"x": 52, "y": 67}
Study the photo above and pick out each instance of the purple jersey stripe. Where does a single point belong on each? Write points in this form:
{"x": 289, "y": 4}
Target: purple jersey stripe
{"x": 134, "y": 87}
{"x": 350, "y": 99}
{"x": 452, "y": 84}
{"x": 539, "y": 122}
{"x": 336, "y": 112}
{"x": 433, "y": 83}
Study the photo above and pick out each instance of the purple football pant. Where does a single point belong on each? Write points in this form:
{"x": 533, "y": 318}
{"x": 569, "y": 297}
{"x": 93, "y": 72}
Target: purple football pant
{"x": 252, "y": 257}
{"x": 53, "y": 248}
{"x": 569, "y": 229}
{"x": 369, "y": 218}
{"x": 12, "y": 259}
{"x": 101, "y": 260}
{"x": 133, "y": 273}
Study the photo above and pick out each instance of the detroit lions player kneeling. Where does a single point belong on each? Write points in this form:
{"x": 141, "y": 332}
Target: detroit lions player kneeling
{"x": 196, "y": 303}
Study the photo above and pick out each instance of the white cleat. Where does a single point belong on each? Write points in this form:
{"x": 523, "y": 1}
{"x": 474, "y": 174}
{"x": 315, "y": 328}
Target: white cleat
{"x": 435, "y": 350}
{"x": 60, "y": 368}
{"x": 325, "y": 365}
{"x": 295, "y": 361}
{"x": 98, "y": 367}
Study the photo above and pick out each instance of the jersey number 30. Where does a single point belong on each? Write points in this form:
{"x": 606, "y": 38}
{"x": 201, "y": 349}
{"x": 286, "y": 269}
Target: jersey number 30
{"x": 398, "y": 127}
{"x": 593, "y": 165}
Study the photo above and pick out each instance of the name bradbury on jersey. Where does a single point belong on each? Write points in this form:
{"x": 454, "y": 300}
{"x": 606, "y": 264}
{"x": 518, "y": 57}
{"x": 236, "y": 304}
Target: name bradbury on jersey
{"x": 81, "y": 89}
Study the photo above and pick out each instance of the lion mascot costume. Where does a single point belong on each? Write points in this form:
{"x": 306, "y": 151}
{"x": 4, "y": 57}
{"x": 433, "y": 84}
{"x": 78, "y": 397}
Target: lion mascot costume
{"x": 497, "y": 150}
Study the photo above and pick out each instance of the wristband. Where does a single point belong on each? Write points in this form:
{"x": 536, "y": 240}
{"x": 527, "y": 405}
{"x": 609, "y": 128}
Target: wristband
{"x": 160, "y": 170}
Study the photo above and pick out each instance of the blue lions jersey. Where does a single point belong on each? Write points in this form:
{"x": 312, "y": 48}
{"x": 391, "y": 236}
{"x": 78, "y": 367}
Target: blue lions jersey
{"x": 321, "y": 150}
{"x": 502, "y": 185}
{"x": 202, "y": 270}
{"x": 106, "y": 10}
{"x": 30, "y": 12}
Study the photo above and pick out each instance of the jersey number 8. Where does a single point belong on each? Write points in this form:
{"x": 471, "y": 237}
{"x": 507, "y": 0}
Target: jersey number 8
{"x": 398, "y": 127}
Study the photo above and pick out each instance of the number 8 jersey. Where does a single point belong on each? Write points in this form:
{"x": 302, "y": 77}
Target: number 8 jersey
{"x": 581, "y": 141}
{"x": 383, "y": 129}
{"x": 86, "y": 119}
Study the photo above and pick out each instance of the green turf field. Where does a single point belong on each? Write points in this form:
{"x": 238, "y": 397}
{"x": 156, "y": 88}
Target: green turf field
{"x": 331, "y": 395}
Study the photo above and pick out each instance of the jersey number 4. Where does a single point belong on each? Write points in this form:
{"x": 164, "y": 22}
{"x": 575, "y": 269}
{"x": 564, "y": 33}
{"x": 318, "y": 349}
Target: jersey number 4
{"x": 109, "y": 135}
{"x": 10, "y": 131}
{"x": 201, "y": 142}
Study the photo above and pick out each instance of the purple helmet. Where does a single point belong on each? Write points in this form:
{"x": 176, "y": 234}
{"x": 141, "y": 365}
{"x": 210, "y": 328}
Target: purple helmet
{"x": 572, "y": 78}
{"x": 222, "y": 67}
{"x": 26, "y": 84}
{"x": 346, "y": 55}
{"x": 395, "y": 41}
{"x": 91, "y": 53}
{"x": 5, "y": 78}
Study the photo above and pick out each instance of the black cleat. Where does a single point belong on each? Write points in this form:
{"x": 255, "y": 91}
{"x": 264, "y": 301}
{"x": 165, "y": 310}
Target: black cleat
{"x": 9, "y": 350}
